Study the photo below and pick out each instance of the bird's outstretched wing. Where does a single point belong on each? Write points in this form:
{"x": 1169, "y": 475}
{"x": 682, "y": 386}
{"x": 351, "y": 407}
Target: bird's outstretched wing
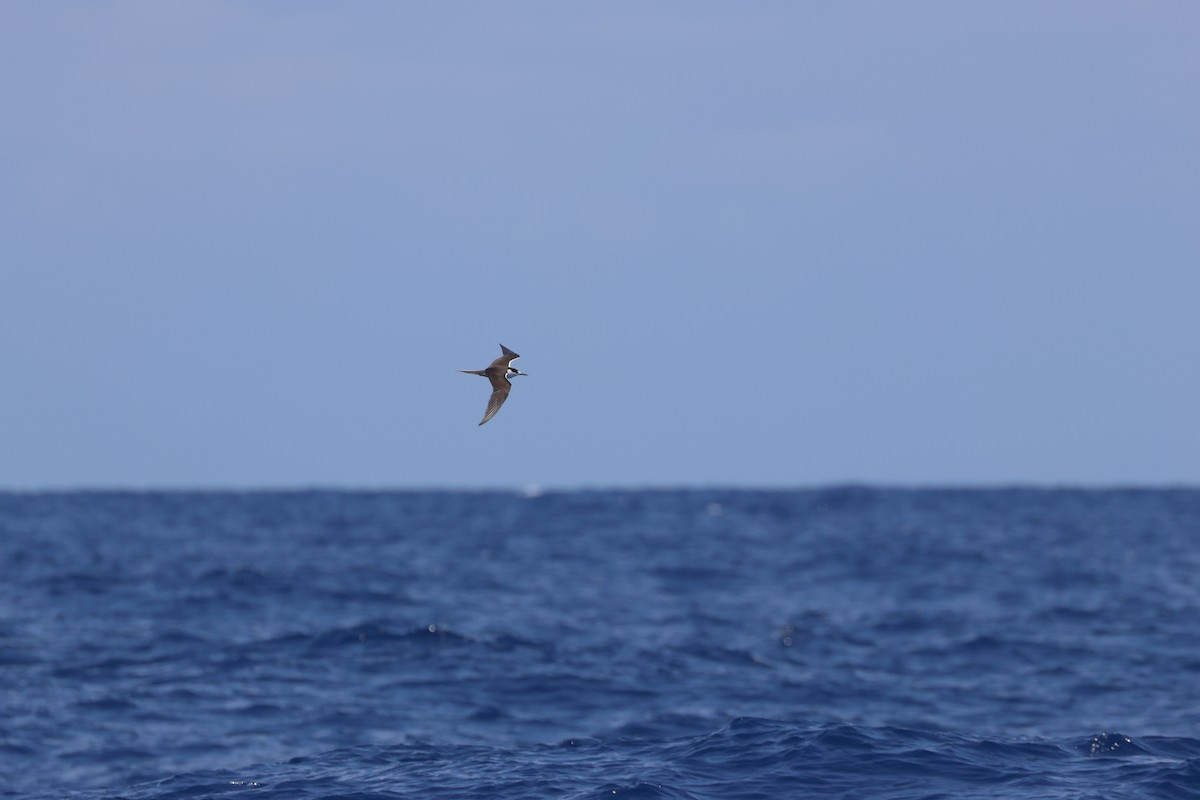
{"x": 494, "y": 402}
{"x": 506, "y": 359}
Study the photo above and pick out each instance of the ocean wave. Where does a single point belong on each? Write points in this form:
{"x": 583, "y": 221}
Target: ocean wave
{"x": 746, "y": 758}
{"x": 854, "y": 642}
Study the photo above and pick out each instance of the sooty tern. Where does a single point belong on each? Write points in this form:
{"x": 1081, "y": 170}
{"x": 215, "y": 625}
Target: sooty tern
{"x": 498, "y": 373}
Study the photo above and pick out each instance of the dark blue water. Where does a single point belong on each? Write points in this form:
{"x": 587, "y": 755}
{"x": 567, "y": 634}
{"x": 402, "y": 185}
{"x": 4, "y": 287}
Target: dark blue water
{"x": 849, "y": 642}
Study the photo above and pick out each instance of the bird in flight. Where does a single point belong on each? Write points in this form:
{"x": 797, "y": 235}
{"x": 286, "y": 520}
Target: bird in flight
{"x": 498, "y": 373}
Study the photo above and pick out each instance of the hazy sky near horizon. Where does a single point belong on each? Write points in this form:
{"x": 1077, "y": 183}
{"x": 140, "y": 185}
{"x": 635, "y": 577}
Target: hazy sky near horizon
{"x": 779, "y": 243}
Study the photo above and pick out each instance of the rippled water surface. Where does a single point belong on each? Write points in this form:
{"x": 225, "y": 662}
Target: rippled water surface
{"x": 849, "y": 642}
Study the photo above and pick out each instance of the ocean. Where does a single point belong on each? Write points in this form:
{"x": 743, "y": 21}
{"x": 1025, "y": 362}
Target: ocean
{"x": 845, "y": 642}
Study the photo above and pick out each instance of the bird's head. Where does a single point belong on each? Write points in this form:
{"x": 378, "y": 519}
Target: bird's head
{"x": 513, "y": 372}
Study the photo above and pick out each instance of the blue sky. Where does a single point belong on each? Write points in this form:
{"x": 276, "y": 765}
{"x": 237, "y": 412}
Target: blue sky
{"x": 248, "y": 244}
